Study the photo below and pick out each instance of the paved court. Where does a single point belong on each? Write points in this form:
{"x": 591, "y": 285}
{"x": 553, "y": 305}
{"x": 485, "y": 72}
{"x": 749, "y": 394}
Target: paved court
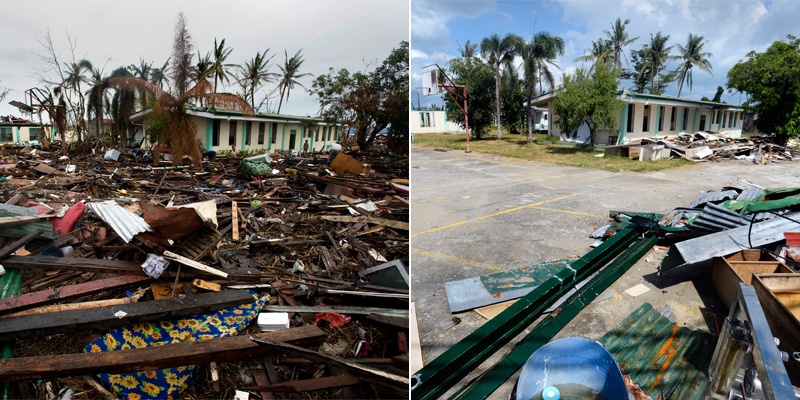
{"x": 474, "y": 214}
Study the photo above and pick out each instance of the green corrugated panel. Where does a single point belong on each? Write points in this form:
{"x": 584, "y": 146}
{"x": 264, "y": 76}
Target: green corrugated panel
{"x": 10, "y": 283}
{"x": 658, "y": 354}
{"x": 525, "y": 277}
{"x": 25, "y": 229}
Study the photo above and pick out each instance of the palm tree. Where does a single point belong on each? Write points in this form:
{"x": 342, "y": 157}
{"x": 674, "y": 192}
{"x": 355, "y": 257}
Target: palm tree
{"x": 220, "y": 69}
{"x": 289, "y": 75}
{"x": 469, "y": 50}
{"x": 142, "y": 71}
{"x": 203, "y": 69}
{"x": 158, "y": 76}
{"x": 122, "y": 104}
{"x": 97, "y": 97}
{"x": 72, "y": 83}
{"x": 536, "y": 55}
{"x": 618, "y": 39}
{"x": 499, "y": 51}
{"x": 655, "y": 55}
{"x": 692, "y": 55}
{"x": 254, "y": 74}
{"x": 600, "y": 51}
{"x": 182, "y": 53}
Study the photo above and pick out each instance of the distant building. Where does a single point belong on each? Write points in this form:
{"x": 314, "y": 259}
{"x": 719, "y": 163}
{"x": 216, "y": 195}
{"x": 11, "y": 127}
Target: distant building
{"x": 651, "y": 116}
{"x": 15, "y": 130}
{"x": 431, "y": 121}
{"x": 230, "y": 130}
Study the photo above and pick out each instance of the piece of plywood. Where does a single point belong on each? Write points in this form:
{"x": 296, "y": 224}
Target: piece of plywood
{"x": 344, "y": 163}
{"x": 637, "y": 290}
{"x": 235, "y": 220}
{"x": 415, "y": 362}
{"x": 491, "y": 311}
{"x": 151, "y": 358}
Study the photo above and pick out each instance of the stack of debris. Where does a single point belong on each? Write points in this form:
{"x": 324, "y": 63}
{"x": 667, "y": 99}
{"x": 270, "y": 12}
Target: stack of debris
{"x": 237, "y": 276}
{"x": 705, "y": 146}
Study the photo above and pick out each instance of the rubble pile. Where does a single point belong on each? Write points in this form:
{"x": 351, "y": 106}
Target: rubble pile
{"x": 706, "y": 146}
{"x": 278, "y": 274}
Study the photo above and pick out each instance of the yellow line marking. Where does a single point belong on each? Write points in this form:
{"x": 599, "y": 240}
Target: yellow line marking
{"x": 440, "y": 228}
{"x": 453, "y": 225}
{"x": 427, "y": 200}
{"x": 453, "y": 184}
{"x": 461, "y": 183}
{"x": 534, "y": 205}
{"x": 569, "y": 212}
{"x": 460, "y": 260}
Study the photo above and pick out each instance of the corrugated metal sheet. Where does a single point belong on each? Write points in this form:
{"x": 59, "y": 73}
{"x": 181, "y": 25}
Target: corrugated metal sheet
{"x": 751, "y": 194}
{"x": 715, "y": 218}
{"x": 658, "y": 354}
{"x": 125, "y": 223}
{"x": 713, "y": 197}
{"x": 8, "y": 210}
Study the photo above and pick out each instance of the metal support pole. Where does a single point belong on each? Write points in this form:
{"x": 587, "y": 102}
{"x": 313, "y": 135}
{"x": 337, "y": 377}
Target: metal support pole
{"x": 439, "y": 375}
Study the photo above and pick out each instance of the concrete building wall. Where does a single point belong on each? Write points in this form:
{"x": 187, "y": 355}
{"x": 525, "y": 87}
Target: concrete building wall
{"x": 428, "y": 121}
{"x": 262, "y": 134}
{"x": 12, "y": 134}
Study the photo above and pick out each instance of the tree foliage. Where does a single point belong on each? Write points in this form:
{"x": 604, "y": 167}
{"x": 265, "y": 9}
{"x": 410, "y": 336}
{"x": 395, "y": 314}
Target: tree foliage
{"x": 290, "y": 72}
{"x": 588, "y": 97}
{"x": 692, "y": 55}
{"x": 500, "y": 52}
{"x": 367, "y": 103}
{"x": 641, "y": 72}
{"x": 772, "y": 82}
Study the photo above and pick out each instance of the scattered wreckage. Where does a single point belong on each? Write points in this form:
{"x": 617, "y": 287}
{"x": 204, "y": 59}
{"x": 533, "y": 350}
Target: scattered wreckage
{"x": 258, "y": 277}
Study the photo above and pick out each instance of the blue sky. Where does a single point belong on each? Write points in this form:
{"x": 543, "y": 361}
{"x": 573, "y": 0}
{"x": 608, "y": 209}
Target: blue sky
{"x": 731, "y": 28}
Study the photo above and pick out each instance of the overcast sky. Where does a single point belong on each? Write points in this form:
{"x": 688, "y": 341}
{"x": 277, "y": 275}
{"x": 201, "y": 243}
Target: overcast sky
{"x": 732, "y": 29}
{"x": 332, "y": 33}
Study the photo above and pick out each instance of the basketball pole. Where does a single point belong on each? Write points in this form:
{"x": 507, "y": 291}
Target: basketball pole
{"x": 464, "y": 109}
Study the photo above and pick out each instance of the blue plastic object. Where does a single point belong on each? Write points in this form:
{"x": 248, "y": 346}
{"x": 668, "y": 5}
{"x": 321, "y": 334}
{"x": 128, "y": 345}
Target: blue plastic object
{"x": 571, "y": 368}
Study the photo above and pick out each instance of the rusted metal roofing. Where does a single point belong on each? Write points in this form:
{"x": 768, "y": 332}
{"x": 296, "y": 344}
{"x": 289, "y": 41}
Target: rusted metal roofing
{"x": 125, "y": 223}
{"x": 659, "y": 355}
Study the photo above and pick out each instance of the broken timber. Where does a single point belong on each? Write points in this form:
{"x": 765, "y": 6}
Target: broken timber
{"x": 389, "y": 312}
{"x": 365, "y": 373}
{"x": 156, "y": 357}
{"x": 105, "y": 318}
{"x": 115, "y": 267}
{"x": 372, "y": 220}
{"x": 50, "y": 296}
{"x": 307, "y": 385}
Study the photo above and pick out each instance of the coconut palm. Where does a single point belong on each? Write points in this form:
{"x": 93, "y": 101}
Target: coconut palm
{"x": 254, "y": 74}
{"x": 289, "y": 75}
{"x": 601, "y": 50}
{"x": 618, "y": 39}
{"x": 158, "y": 76}
{"x": 500, "y": 51}
{"x": 469, "y": 50}
{"x": 76, "y": 75}
{"x": 203, "y": 69}
{"x": 142, "y": 71}
{"x": 536, "y": 55}
{"x": 97, "y": 97}
{"x": 692, "y": 55}
{"x": 220, "y": 69}
{"x": 182, "y": 53}
{"x": 656, "y": 53}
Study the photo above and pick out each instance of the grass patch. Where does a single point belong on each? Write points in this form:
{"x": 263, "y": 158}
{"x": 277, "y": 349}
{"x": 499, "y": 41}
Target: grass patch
{"x": 545, "y": 150}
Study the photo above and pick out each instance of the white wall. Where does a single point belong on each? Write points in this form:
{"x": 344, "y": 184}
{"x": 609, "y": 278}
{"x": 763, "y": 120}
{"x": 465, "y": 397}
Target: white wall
{"x": 435, "y": 120}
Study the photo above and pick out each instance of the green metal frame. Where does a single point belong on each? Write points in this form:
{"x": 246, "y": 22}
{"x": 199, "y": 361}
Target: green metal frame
{"x": 442, "y": 373}
{"x": 553, "y": 323}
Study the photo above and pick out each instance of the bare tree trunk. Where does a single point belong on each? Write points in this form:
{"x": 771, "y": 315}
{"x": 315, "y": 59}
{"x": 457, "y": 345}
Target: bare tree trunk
{"x": 497, "y": 102}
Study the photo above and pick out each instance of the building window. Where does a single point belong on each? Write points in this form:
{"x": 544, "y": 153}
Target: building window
{"x": 730, "y": 121}
{"x": 673, "y": 114}
{"x": 612, "y": 140}
{"x": 215, "y": 133}
{"x": 316, "y": 135}
{"x": 232, "y": 134}
{"x": 35, "y": 133}
{"x": 274, "y": 132}
{"x": 325, "y": 134}
{"x": 685, "y": 119}
{"x": 646, "y": 118}
{"x": 661, "y": 117}
{"x": 724, "y": 120}
{"x": 631, "y": 109}
{"x": 248, "y": 127}
{"x": 6, "y": 134}
{"x": 262, "y": 126}
{"x": 425, "y": 119}
{"x": 545, "y": 117}
{"x": 719, "y": 117}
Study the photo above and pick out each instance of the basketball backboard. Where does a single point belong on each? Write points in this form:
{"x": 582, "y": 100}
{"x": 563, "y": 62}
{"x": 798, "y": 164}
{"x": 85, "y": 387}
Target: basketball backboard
{"x": 430, "y": 82}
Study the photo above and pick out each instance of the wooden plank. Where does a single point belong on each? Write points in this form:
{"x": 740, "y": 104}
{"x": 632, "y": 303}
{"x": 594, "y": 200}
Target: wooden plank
{"x": 262, "y": 380}
{"x": 397, "y": 322}
{"x": 308, "y": 385}
{"x": 372, "y": 220}
{"x": 43, "y": 297}
{"x": 235, "y": 220}
{"x": 152, "y": 358}
{"x": 106, "y": 317}
{"x": 396, "y": 382}
{"x": 21, "y": 220}
{"x": 116, "y": 267}
{"x": 76, "y": 306}
{"x": 192, "y": 263}
{"x": 6, "y": 251}
{"x": 389, "y": 312}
